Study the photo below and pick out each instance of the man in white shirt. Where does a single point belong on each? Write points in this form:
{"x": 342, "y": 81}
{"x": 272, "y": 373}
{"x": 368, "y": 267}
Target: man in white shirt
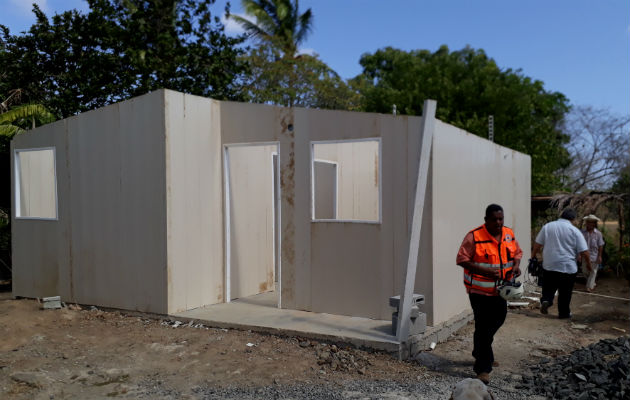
{"x": 595, "y": 243}
{"x": 561, "y": 243}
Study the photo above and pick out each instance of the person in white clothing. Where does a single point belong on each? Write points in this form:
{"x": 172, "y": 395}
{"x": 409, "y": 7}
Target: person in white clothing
{"x": 595, "y": 243}
{"x": 561, "y": 244}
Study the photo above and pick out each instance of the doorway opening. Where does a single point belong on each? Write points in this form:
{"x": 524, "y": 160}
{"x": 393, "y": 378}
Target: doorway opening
{"x": 252, "y": 221}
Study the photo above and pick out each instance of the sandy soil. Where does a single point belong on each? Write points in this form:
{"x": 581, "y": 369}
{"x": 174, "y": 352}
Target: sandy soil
{"x": 80, "y": 352}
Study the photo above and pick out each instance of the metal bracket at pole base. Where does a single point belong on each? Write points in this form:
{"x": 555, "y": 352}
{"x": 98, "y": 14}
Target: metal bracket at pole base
{"x": 417, "y": 319}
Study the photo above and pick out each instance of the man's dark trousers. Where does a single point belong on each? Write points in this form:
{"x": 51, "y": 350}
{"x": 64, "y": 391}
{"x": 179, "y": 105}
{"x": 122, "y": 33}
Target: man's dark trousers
{"x": 490, "y": 313}
{"x": 563, "y": 283}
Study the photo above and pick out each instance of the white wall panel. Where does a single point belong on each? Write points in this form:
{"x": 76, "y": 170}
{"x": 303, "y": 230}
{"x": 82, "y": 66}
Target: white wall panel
{"x": 469, "y": 173}
{"x": 325, "y": 190}
{"x": 118, "y": 218}
{"x": 194, "y": 202}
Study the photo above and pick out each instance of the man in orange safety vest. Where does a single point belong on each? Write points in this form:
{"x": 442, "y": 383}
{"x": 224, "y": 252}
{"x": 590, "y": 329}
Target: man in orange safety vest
{"x": 488, "y": 254}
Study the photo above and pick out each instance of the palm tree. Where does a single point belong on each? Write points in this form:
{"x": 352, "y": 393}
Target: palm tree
{"x": 17, "y": 119}
{"x": 277, "y": 22}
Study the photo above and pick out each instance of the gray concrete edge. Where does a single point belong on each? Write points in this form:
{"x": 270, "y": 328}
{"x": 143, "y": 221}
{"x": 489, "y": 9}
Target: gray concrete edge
{"x": 434, "y": 334}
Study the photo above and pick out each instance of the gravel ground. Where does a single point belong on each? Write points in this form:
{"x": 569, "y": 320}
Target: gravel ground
{"x": 431, "y": 387}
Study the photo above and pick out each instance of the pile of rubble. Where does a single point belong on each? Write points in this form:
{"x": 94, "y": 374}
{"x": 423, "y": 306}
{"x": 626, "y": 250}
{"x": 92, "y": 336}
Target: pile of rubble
{"x": 599, "y": 371}
{"x": 335, "y": 359}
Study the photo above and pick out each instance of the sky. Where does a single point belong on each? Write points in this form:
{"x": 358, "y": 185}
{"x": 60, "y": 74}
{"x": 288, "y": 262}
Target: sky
{"x": 580, "y": 48}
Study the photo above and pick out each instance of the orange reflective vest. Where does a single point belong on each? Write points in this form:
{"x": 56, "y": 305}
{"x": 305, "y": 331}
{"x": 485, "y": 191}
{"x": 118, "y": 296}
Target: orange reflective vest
{"x": 489, "y": 253}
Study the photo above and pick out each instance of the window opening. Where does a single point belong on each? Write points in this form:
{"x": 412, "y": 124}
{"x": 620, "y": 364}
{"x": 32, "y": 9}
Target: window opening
{"x": 345, "y": 180}
{"x": 35, "y": 184}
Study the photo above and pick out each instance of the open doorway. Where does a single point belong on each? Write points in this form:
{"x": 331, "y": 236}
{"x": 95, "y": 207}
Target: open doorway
{"x": 252, "y": 194}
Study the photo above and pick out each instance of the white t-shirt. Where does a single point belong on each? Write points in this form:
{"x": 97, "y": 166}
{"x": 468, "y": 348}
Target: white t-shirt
{"x": 561, "y": 242}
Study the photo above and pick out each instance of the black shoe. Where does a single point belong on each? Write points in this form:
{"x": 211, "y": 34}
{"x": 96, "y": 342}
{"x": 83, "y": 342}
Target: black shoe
{"x": 565, "y": 316}
{"x": 544, "y": 306}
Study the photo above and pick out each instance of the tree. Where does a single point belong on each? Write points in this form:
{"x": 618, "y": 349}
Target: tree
{"x": 277, "y": 23}
{"x": 598, "y": 147}
{"x": 119, "y": 49}
{"x": 303, "y": 81}
{"x": 278, "y": 75}
{"x": 469, "y": 87}
{"x": 16, "y": 119}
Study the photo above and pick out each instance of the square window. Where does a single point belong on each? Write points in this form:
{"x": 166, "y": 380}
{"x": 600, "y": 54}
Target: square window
{"x": 345, "y": 180}
{"x": 35, "y": 184}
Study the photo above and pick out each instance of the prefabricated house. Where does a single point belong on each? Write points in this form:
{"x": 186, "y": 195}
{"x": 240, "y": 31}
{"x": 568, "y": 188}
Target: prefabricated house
{"x": 169, "y": 202}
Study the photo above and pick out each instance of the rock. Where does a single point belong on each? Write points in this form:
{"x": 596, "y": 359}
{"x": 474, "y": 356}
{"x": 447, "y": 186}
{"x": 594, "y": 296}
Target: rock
{"x": 116, "y": 374}
{"x": 597, "y": 371}
{"x": 429, "y": 360}
{"x": 305, "y": 343}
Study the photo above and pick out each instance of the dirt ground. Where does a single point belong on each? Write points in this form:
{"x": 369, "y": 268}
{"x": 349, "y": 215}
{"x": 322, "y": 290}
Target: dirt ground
{"x": 81, "y": 352}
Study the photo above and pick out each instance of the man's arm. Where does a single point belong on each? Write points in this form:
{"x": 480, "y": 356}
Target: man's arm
{"x": 516, "y": 269}
{"x": 536, "y": 249}
{"x": 586, "y": 258}
{"x": 600, "y": 247}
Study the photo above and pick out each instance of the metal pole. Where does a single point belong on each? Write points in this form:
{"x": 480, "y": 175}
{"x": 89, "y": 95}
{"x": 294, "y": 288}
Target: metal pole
{"x": 404, "y": 307}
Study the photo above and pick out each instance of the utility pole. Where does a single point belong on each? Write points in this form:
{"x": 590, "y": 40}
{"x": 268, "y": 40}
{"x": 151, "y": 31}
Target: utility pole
{"x": 491, "y": 128}
{"x": 394, "y": 109}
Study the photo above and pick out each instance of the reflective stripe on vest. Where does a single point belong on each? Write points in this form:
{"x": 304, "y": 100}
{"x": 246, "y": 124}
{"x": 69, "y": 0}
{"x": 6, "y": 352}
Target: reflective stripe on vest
{"x": 470, "y": 281}
{"x": 509, "y": 265}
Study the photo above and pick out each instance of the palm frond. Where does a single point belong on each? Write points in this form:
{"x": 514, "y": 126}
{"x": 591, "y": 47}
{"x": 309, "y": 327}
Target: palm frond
{"x": 305, "y": 26}
{"x": 10, "y": 130}
{"x": 277, "y": 22}
{"x": 251, "y": 28}
{"x": 27, "y": 111}
{"x": 263, "y": 12}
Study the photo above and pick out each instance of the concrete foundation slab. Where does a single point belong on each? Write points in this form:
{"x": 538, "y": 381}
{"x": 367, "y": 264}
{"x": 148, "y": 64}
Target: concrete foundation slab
{"x": 260, "y": 313}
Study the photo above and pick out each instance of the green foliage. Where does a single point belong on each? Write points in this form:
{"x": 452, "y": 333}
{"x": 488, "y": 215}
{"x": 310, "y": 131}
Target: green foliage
{"x": 76, "y": 62}
{"x": 26, "y": 115}
{"x": 277, "y": 23}
{"x": 303, "y": 81}
{"x": 615, "y": 258}
{"x": 469, "y": 87}
{"x": 17, "y": 119}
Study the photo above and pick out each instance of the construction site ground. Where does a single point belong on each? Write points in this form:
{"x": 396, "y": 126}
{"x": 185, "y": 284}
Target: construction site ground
{"x": 86, "y": 353}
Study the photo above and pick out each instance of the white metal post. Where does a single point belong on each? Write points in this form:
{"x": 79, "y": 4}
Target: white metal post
{"x": 404, "y": 308}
